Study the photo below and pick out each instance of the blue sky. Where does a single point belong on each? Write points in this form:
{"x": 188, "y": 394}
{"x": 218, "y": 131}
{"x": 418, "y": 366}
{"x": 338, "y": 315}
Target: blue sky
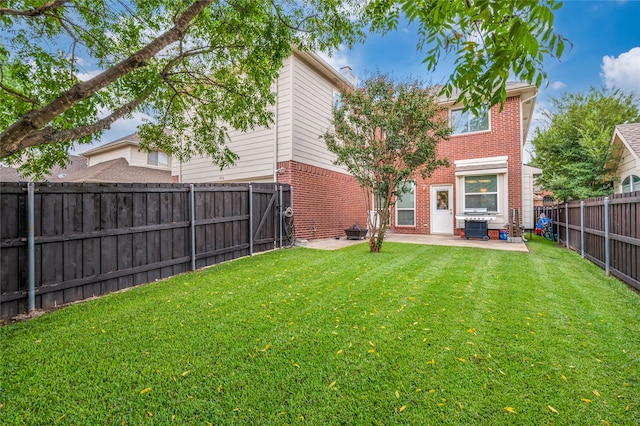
{"x": 606, "y": 52}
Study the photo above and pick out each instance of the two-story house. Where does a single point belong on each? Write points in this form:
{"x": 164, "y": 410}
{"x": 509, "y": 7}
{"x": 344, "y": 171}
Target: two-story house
{"x": 485, "y": 153}
{"x": 122, "y": 161}
{"x": 326, "y": 198}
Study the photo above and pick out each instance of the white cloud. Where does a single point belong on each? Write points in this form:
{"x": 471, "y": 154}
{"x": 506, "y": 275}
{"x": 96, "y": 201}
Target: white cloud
{"x": 557, "y": 85}
{"x": 338, "y": 59}
{"x": 84, "y": 76}
{"x": 622, "y": 72}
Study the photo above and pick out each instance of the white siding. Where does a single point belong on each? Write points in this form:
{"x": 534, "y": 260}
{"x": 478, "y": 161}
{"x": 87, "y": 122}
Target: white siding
{"x": 528, "y": 182}
{"x": 304, "y": 113}
{"x": 628, "y": 164}
{"x": 285, "y": 111}
{"x": 139, "y": 159}
{"x": 119, "y": 152}
{"x": 312, "y": 115}
{"x": 255, "y": 150}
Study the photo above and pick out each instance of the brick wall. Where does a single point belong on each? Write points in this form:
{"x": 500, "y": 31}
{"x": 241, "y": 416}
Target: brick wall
{"x": 324, "y": 202}
{"x": 502, "y": 139}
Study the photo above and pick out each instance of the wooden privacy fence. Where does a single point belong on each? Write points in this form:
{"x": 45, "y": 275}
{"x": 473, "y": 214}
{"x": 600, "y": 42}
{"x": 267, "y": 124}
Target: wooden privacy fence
{"x": 61, "y": 243}
{"x": 605, "y": 230}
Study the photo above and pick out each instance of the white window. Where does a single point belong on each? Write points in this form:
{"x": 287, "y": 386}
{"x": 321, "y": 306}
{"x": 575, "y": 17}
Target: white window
{"x": 406, "y": 205}
{"x": 631, "y": 183}
{"x": 481, "y": 192}
{"x": 467, "y": 122}
{"x": 337, "y": 99}
{"x": 157, "y": 158}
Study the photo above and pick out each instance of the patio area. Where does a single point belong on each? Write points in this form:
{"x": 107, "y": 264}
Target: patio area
{"x": 442, "y": 240}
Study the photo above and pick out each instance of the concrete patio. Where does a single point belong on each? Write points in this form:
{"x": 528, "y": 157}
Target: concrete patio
{"x": 440, "y": 240}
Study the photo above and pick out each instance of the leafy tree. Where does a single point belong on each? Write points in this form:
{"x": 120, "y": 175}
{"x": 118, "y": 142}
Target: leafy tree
{"x": 200, "y": 67}
{"x": 385, "y": 133}
{"x": 574, "y": 149}
{"x": 492, "y": 41}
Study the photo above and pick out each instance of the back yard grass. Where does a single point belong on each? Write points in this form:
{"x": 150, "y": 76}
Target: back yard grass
{"x": 413, "y": 335}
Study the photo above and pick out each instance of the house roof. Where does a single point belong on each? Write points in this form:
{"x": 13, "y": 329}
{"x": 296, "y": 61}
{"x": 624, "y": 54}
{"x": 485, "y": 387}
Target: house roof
{"x": 76, "y": 162}
{"x": 132, "y": 139}
{"x": 323, "y": 67}
{"x": 630, "y": 136}
{"x": 118, "y": 171}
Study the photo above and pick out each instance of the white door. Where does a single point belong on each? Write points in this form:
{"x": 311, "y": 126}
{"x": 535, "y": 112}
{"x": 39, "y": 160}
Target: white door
{"x": 442, "y": 209}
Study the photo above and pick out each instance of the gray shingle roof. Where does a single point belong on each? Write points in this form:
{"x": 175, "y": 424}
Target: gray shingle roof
{"x": 118, "y": 171}
{"x": 76, "y": 162}
{"x": 631, "y": 134}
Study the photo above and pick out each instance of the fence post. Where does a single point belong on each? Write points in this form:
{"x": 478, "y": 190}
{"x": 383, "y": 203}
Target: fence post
{"x": 607, "y": 254}
{"x": 250, "y": 220}
{"x": 31, "y": 252}
{"x": 566, "y": 224}
{"x": 582, "y": 228}
{"x": 192, "y": 202}
{"x": 280, "y": 213}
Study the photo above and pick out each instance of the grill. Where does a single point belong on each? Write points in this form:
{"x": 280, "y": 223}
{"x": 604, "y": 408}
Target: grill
{"x": 475, "y": 223}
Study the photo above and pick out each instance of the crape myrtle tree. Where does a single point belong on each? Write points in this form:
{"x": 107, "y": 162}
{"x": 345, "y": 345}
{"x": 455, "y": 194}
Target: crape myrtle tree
{"x": 385, "y": 133}
{"x": 70, "y": 68}
{"x": 574, "y": 149}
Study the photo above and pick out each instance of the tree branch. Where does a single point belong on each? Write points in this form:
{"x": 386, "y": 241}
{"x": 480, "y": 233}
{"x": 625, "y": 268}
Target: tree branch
{"x": 52, "y": 5}
{"x": 49, "y": 135}
{"x": 12, "y": 139}
{"x": 18, "y": 95}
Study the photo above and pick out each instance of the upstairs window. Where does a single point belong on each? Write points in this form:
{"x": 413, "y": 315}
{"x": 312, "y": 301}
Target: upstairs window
{"x": 467, "y": 122}
{"x": 631, "y": 183}
{"x": 157, "y": 158}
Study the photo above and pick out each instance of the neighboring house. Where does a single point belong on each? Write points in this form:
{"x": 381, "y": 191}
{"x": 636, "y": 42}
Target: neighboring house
{"x": 121, "y": 161}
{"x": 118, "y": 170}
{"x": 76, "y": 162}
{"x": 128, "y": 148}
{"x": 626, "y": 154}
{"x": 326, "y": 198}
{"x": 485, "y": 154}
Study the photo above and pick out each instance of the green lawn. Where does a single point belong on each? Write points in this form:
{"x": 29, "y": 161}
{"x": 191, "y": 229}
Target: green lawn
{"x": 413, "y": 335}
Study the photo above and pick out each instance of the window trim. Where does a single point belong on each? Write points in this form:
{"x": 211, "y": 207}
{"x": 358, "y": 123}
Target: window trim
{"x": 453, "y": 133}
{"x": 157, "y": 161}
{"x": 497, "y": 191}
{"x": 632, "y": 184}
{"x": 413, "y": 185}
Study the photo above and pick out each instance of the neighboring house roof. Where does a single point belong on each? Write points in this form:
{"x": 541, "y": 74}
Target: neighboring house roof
{"x": 629, "y": 134}
{"x": 132, "y": 139}
{"x": 76, "y": 162}
{"x": 118, "y": 171}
